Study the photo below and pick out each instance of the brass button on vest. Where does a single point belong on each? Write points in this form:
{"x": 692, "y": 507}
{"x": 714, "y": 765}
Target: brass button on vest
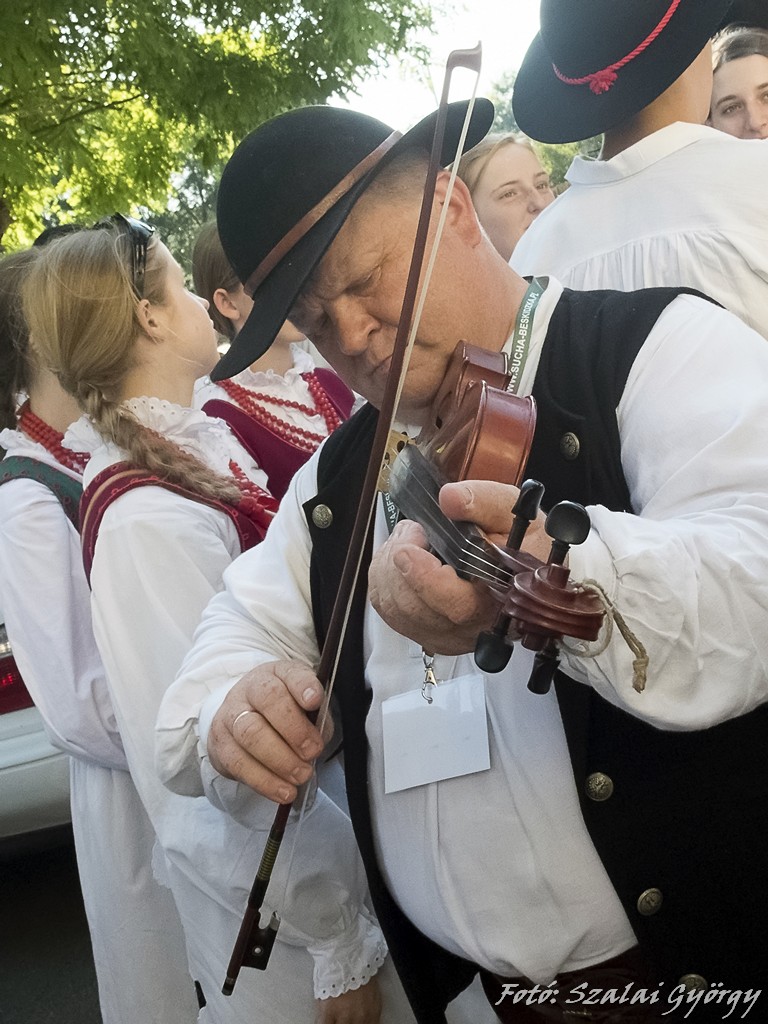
{"x": 599, "y": 786}
{"x": 322, "y": 517}
{"x": 570, "y": 446}
{"x": 693, "y": 981}
{"x": 649, "y": 902}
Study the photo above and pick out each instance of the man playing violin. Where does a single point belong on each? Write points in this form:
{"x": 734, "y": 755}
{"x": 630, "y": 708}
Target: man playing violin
{"x": 593, "y": 839}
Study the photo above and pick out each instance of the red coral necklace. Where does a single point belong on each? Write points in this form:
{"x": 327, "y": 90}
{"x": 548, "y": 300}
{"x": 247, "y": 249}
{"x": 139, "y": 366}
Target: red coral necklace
{"x": 255, "y": 501}
{"x": 38, "y": 430}
{"x": 307, "y": 440}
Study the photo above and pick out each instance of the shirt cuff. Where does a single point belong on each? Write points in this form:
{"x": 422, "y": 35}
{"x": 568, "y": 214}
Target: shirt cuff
{"x": 348, "y": 961}
{"x": 208, "y": 710}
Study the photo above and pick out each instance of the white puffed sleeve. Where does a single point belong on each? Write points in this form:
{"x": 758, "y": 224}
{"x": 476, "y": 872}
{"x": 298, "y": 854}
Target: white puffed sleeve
{"x": 263, "y": 614}
{"x": 689, "y": 572}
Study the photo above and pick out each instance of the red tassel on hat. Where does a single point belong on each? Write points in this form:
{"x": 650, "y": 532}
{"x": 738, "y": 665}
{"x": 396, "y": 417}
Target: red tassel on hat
{"x": 602, "y": 81}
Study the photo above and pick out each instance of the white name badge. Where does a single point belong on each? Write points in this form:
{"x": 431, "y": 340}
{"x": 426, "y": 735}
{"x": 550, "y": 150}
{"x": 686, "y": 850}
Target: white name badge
{"x": 429, "y": 742}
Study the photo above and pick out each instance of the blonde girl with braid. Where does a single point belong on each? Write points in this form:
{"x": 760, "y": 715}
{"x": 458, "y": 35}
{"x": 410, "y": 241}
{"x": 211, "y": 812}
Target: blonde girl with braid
{"x": 171, "y": 498}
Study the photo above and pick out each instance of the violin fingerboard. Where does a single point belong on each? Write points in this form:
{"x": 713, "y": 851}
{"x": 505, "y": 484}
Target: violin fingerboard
{"x": 414, "y": 486}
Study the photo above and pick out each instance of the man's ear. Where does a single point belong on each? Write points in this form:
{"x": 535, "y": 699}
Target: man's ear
{"x": 461, "y": 210}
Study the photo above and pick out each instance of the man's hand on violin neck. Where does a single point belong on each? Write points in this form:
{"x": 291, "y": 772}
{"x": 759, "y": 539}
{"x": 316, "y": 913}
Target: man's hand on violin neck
{"x": 261, "y": 734}
{"x": 489, "y": 505}
{"x": 423, "y": 599}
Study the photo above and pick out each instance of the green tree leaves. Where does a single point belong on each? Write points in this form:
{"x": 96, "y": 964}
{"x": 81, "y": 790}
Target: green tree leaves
{"x": 101, "y": 101}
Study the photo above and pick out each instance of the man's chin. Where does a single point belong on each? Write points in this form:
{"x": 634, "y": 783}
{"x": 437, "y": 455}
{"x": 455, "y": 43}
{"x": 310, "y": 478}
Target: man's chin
{"x": 411, "y": 412}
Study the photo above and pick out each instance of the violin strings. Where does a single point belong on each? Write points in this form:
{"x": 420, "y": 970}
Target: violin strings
{"x": 467, "y": 554}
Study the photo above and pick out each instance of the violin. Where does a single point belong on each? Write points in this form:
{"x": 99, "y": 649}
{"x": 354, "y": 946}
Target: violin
{"x": 479, "y": 430}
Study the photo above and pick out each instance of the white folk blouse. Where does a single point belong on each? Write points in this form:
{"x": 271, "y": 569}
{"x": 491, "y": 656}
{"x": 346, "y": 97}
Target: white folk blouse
{"x": 158, "y": 560}
{"x": 684, "y": 206}
{"x": 289, "y": 386}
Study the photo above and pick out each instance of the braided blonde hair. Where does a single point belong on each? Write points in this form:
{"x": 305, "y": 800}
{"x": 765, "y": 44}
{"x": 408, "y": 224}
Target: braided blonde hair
{"x": 82, "y": 312}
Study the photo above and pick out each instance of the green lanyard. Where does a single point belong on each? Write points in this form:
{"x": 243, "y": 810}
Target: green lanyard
{"x": 521, "y": 336}
{"x": 391, "y": 511}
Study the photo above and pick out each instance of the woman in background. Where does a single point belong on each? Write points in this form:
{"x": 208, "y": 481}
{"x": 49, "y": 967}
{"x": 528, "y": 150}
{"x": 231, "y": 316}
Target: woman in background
{"x": 282, "y": 406}
{"x": 740, "y": 83}
{"x": 508, "y": 185}
{"x": 136, "y": 935}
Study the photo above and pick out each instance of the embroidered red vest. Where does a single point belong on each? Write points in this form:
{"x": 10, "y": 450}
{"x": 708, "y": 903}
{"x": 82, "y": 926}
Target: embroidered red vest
{"x": 250, "y": 519}
{"x": 279, "y": 459}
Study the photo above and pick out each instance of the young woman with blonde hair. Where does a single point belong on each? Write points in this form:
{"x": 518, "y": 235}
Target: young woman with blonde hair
{"x": 136, "y": 936}
{"x": 171, "y": 498}
{"x": 508, "y": 185}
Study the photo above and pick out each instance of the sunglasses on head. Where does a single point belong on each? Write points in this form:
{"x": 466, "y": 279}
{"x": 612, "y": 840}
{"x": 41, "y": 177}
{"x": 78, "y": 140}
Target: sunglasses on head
{"x": 139, "y": 235}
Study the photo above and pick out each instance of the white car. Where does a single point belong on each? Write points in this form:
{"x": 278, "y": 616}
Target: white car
{"x": 34, "y": 776}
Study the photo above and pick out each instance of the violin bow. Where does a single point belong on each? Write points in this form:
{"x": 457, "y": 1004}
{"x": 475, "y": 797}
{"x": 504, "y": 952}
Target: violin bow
{"x": 254, "y": 942}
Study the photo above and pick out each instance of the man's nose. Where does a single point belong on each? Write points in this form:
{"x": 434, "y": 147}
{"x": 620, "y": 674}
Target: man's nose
{"x": 353, "y": 325}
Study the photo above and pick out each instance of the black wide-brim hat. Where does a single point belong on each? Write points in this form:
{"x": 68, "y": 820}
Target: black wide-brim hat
{"x": 753, "y": 13}
{"x": 287, "y": 190}
{"x": 622, "y": 53}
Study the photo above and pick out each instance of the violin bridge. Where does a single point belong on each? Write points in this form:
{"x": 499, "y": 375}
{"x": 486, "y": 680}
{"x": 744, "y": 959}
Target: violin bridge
{"x": 396, "y": 441}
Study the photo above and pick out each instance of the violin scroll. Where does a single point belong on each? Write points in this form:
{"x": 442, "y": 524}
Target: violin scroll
{"x": 545, "y": 605}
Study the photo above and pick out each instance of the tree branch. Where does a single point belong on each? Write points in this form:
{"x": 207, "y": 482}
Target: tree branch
{"x": 84, "y": 112}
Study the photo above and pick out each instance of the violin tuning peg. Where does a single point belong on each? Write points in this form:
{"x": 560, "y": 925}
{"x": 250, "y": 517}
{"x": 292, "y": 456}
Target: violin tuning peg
{"x": 545, "y": 665}
{"x": 525, "y": 510}
{"x": 567, "y": 524}
{"x": 529, "y": 499}
{"x": 492, "y": 652}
